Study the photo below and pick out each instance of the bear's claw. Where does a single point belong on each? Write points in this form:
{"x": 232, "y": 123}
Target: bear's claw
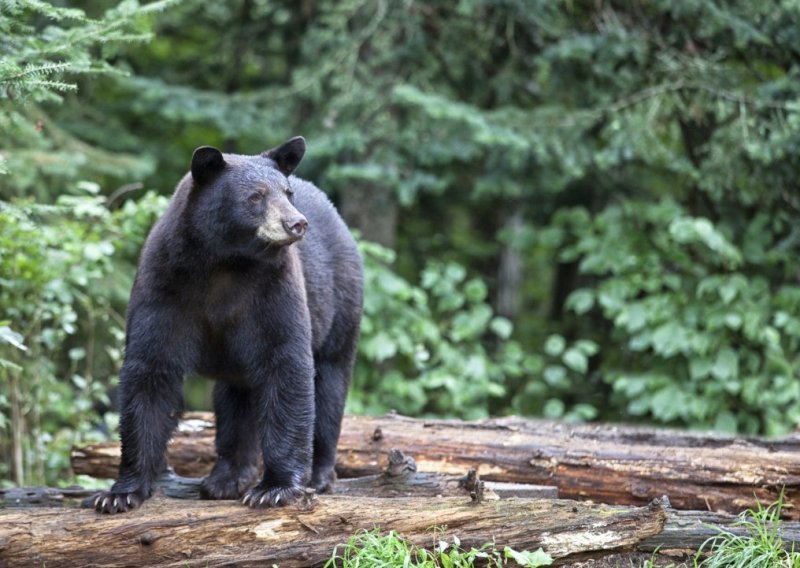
{"x": 260, "y": 498}
{"x": 111, "y": 502}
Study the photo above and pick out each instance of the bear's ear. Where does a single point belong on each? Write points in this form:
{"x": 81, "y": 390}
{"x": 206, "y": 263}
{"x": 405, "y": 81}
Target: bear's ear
{"x": 288, "y": 155}
{"x": 207, "y": 162}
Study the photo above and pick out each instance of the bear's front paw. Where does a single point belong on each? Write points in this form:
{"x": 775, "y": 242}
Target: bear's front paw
{"x": 323, "y": 482}
{"x": 116, "y": 502}
{"x": 259, "y": 498}
{"x": 229, "y": 485}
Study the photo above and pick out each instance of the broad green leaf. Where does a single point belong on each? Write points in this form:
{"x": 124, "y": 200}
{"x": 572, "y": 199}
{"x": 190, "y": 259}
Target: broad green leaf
{"x": 699, "y": 367}
{"x": 555, "y": 375}
{"x": 554, "y": 408}
{"x": 580, "y": 301}
{"x": 380, "y": 347}
{"x": 501, "y": 327}
{"x": 726, "y": 365}
{"x": 725, "y": 422}
{"x": 576, "y": 360}
{"x": 554, "y": 345}
{"x": 530, "y": 559}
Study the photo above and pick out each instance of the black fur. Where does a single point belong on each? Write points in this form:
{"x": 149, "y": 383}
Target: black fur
{"x": 274, "y": 320}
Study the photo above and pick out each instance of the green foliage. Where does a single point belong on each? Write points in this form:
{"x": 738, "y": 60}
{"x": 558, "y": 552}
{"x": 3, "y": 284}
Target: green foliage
{"x": 45, "y": 49}
{"x": 60, "y": 270}
{"x": 36, "y": 56}
{"x": 429, "y": 348}
{"x": 371, "y": 548}
{"x": 563, "y": 368}
{"x": 761, "y": 545}
{"x": 58, "y": 267}
{"x": 652, "y": 562}
{"x": 705, "y": 340}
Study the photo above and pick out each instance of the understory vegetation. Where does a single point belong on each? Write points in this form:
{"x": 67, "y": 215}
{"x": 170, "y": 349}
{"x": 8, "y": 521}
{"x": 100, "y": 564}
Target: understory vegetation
{"x": 373, "y": 549}
{"x": 757, "y": 544}
{"x": 753, "y": 541}
{"x": 583, "y": 211}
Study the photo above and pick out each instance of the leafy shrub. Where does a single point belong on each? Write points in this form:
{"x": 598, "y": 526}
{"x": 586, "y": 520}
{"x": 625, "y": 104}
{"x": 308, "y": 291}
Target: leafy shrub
{"x": 557, "y": 383}
{"x": 705, "y": 337}
{"x": 59, "y": 269}
{"x": 433, "y": 348}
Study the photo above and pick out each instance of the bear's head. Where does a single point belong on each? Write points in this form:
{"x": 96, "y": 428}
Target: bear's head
{"x": 245, "y": 203}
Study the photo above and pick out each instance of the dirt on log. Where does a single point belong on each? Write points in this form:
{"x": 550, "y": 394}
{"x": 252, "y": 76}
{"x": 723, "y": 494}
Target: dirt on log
{"x": 606, "y": 463}
{"x": 166, "y": 532}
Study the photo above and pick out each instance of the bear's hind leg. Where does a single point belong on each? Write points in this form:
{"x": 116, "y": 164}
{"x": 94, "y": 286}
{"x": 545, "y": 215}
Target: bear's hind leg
{"x": 237, "y": 444}
{"x": 334, "y": 367}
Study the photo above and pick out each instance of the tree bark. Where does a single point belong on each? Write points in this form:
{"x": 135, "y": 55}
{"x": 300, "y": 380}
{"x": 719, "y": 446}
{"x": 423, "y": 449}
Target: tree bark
{"x": 373, "y": 210}
{"x": 400, "y": 478}
{"x": 192, "y": 533}
{"x": 165, "y": 532}
{"x": 17, "y": 433}
{"x": 509, "y": 270}
{"x": 610, "y": 464}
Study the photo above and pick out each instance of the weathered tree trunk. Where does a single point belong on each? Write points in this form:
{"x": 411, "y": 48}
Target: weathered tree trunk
{"x": 606, "y": 463}
{"x": 399, "y": 479}
{"x": 192, "y": 533}
{"x": 509, "y": 269}
{"x": 166, "y": 532}
{"x": 373, "y": 210}
{"x": 610, "y": 464}
{"x": 17, "y": 433}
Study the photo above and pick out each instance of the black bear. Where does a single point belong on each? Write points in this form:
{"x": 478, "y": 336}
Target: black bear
{"x": 251, "y": 278}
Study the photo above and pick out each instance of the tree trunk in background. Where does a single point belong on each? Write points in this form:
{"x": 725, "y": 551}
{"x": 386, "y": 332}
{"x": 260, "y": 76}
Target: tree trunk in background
{"x": 509, "y": 270}
{"x": 373, "y": 211}
{"x": 566, "y": 274}
{"x": 17, "y": 433}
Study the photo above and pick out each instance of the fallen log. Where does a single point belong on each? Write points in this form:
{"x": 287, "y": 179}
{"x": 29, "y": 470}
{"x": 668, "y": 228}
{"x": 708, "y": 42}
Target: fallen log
{"x": 399, "y": 479}
{"x": 685, "y": 532}
{"x": 606, "y": 463}
{"x": 190, "y": 451}
{"x": 166, "y": 532}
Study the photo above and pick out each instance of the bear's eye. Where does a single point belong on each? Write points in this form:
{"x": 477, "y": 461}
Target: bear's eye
{"x": 255, "y": 197}
{"x": 289, "y": 191}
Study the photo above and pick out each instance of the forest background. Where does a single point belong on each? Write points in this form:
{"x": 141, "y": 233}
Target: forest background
{"x": 570, "y": 209}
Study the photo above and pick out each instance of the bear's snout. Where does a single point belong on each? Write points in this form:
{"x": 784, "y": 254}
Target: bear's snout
{"x": 296, "y": 226}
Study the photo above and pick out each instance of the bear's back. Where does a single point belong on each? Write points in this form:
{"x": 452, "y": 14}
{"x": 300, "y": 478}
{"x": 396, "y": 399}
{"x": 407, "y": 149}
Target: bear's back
{"x": 331, "y": 262}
